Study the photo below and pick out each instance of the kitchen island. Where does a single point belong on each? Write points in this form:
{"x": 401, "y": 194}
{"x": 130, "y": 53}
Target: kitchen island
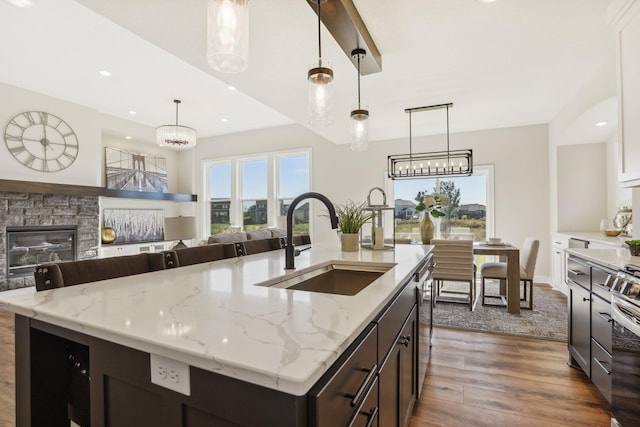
{"x": 244, "y": 344}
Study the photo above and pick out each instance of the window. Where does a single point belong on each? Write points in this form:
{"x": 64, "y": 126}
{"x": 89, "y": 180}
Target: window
{"x": 219, "y": 196}
{"x": 469, "y": 213}
{"x": 293, "y": 180}
{"x": 256, "y": 192}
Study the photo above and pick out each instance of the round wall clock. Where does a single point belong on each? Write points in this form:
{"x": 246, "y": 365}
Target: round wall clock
{"x": 41, "y": 141}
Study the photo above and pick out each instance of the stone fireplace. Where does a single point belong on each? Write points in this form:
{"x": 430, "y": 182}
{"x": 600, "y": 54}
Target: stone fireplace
{"x": 40, "y": 212}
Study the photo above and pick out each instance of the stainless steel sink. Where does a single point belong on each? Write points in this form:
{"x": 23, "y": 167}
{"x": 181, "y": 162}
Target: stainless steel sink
{"x": 342, "y": 278}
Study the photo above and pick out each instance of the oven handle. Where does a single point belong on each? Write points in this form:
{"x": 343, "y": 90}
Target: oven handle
{"x": 622, "y": 319}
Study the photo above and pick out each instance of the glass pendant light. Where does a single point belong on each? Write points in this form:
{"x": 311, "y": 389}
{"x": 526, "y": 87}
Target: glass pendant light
{"x": 228, "y": 35}
{"x": 359, "y": 115}
{"x": 320, "y": 87}
{"x": 176, "y": 136}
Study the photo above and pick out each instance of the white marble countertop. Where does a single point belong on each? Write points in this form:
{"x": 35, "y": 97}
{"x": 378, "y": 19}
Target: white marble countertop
{"x": 214, "y": 317}
{"x": 612, "y": 258}
{"x": 594, "y": 236}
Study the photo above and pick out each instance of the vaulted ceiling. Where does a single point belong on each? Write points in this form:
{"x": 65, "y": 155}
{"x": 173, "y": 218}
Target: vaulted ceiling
{"x": 504, "y": 63}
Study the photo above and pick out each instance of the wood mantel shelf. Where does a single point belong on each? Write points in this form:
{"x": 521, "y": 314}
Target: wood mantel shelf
{"x": 86, "y": 190}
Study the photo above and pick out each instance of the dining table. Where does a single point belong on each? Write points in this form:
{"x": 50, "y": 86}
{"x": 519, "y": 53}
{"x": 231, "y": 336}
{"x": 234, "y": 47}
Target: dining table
{"x": 509, "y": 291}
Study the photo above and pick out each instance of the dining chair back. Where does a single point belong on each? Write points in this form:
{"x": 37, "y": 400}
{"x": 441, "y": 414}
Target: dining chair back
{"x": 453, "y": 262}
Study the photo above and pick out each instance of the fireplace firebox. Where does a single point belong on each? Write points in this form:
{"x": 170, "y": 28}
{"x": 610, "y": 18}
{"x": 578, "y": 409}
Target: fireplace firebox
{"x": 30, "y": 246}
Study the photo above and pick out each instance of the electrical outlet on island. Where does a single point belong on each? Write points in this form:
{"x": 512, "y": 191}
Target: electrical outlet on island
{"x": 169, "y": 373}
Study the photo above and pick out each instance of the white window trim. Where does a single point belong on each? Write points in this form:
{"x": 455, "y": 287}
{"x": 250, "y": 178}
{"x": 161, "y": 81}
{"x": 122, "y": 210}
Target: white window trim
{"x": 235, "y": 210}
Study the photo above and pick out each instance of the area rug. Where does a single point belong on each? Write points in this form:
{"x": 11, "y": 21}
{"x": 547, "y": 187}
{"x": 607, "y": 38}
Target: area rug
{"x": 547, "y": 320}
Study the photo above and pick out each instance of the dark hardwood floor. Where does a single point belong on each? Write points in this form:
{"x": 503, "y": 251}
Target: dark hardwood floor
{"x": 473, "y": 379}
{"x": 480, "y": 379}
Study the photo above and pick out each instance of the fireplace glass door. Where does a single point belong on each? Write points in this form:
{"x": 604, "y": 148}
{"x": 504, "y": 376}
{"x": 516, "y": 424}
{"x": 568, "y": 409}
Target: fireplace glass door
{"x": 30, "y": 246}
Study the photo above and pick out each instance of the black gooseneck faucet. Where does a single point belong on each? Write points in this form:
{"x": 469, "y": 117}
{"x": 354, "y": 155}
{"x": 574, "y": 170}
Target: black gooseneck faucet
{"x": 289, "y": 255}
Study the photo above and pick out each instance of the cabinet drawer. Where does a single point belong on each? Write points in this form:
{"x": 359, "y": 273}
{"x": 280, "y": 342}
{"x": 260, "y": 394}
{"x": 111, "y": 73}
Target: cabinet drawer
{"x": 579, "y": 272}
{"x": 601, "y": 369}
{"x": 393, "y": 318}
{"x": 601, "y": 322}
{"x": 600, "y": 281}
{"x": 367, "y": 414}
{"x": 336, "y": 397}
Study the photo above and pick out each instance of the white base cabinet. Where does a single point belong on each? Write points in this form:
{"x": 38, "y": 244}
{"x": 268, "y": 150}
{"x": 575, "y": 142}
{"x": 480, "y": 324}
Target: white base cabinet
{"x": 559, "y": 261}
{"x": 134, "y": 249}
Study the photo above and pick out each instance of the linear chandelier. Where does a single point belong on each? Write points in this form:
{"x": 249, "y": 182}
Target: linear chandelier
{"x": 176, "y": 136}
{"x": 430, "y": 164}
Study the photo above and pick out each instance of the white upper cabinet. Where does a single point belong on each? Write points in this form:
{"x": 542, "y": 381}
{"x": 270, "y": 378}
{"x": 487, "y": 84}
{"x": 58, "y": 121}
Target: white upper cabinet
{"x": 625, "y": 17}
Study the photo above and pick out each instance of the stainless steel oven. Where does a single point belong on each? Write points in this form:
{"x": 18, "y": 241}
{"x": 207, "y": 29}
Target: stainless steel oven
{"x": 625, "y": 370}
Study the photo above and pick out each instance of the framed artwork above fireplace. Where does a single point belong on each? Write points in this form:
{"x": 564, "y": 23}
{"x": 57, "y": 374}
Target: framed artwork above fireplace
{"x": 135, "y": 225}
{"x": 135, "y": 171}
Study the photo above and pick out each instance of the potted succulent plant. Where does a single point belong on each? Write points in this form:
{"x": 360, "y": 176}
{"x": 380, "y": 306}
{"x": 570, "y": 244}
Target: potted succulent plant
{"x": 634, "y": 247}
{"x": 351, "y": 217}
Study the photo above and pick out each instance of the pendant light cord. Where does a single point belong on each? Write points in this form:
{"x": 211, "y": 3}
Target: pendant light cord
{"x": 319, "y": 41}
{"x": 448, "y": 151}
{"x": 358, "y": 81}
{"x": 410, "y": 140}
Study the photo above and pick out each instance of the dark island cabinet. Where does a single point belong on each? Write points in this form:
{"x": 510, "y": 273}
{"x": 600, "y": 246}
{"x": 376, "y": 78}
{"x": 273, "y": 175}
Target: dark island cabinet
{"x": 398, "y": 377}
{"x": 590, "y": 322}
{"x": 63, "y": 374}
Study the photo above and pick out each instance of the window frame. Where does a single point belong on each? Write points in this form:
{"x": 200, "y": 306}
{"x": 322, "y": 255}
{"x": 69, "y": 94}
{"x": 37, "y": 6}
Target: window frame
{"x": 236, "y": 199}
{"x": 478, "y": 170}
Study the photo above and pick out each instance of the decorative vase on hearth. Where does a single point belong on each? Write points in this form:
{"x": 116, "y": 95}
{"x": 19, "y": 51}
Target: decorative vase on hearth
{"x": 426, "y": 229}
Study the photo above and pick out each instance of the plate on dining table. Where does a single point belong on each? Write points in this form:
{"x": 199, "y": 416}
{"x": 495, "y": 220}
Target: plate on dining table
{"x": 495, "y": 244}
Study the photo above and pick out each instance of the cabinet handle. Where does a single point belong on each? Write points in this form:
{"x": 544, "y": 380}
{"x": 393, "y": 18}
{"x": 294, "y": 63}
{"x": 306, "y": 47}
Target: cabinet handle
{"x": 355, "y": 398}
{"x": 372, "y": 416}
{"x": 405, "y": 340}
{"x": 586, "y": 299}
{"x": 576, "y": 272}
{"x": 606, "y": 316}
{"x": 600, "y": 363}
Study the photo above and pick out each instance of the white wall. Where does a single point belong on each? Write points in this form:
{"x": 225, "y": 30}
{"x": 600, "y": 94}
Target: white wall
{"x": 95, "y": 131}
{"x": 582, "y": 186}
{"x": 519, "y": 155}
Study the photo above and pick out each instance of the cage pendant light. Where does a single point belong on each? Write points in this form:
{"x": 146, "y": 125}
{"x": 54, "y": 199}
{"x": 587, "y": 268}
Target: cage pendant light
{"x": 430, "y": 164}
{"x": 359, "y": 115}
{"x": 176, "y": 136}
{"x": 320, "y": 84}
{"x": 228, "y": 35}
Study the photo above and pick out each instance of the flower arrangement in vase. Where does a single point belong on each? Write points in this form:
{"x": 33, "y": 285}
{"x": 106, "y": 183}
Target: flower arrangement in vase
{"x": 431, "y": 203}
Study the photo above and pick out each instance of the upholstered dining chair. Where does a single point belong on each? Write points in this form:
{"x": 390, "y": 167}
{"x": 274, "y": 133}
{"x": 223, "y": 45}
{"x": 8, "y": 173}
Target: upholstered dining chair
{"x": 453, "y": 262}
{"x": 498, "y": 271}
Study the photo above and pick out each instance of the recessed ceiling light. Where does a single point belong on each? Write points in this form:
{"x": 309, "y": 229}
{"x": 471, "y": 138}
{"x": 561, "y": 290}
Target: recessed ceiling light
{"x": 133, "y": 113}
{"x": 600, "y": 124}
{"x": 231, "y": 87}
{"x": 127, "y": 137}
{"x": 487, "y": 1}
{"x": 224, "y": 120}
{"x": 21, "y": 3}
{"x": 104, "y": 73}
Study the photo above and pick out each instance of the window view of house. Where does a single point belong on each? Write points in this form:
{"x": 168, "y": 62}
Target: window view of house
{"x": 254, "y": 195}
{"x": 220, "y": 196}
{"x": 465, "y": 214}
{"x": 293, "y": 180}
{"x": 249, "y": 194}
